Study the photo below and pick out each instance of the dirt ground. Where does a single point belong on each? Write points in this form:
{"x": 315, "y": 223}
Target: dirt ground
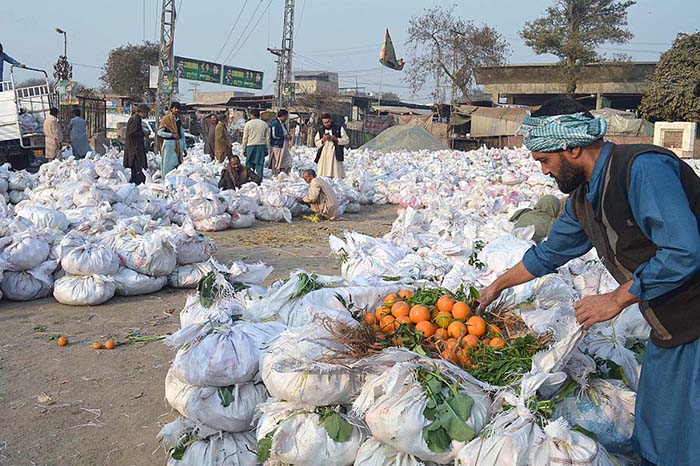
{"x": 77, "y": 406}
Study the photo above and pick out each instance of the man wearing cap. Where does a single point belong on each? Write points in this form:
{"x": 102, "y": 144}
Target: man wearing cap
{"x": 638, "y": 205}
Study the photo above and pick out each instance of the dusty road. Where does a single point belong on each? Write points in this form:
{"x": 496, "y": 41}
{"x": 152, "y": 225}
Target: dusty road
{"x": 77, "y": 406}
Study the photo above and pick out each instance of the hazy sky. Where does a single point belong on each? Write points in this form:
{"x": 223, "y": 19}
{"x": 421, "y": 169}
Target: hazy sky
{"x": 343, "y": 36}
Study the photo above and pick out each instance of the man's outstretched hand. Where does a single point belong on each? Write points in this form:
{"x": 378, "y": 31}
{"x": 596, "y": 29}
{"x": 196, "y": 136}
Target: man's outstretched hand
{"x": 601, "y": 308}
{"x": 487, "y": 296}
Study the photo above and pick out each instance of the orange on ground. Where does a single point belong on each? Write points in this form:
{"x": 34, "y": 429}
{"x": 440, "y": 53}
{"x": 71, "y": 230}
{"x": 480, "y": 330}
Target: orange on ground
{"x": 419, "y": 313}
{"x": 441, "y": 334}
{"x": 445, "y": 303}
{"x": 382, "y": 312}
{"x": 497, "y": 343}
{"x": 476, "y": 326}
{"x": 456, "y": 329}
{"x": 400, "y": 308}
{"x": 370, "y": 318}
{"x": 443, "y": 319}
{"x": 426, "y": 327}
{"x": 109, "y": 344}
{"x": 405, "y": 294}
{"x": 389, "y": 300}
{"x": 62, "y": 341}
{"x": 461, "y": 310}
{"x": 96, "y": 345}
{"x": 389, "y": 324}
{"x": 470, "y": 340}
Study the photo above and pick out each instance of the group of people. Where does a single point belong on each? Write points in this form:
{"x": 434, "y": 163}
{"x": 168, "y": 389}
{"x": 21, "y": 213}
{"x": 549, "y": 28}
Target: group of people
{"x": 77, "y": 133}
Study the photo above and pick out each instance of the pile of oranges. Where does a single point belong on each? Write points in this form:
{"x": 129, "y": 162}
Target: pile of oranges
{"x": 447, "y": 325}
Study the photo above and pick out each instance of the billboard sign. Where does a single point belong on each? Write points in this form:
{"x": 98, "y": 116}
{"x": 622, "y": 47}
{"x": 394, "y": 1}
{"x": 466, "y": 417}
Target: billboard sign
{"x": 241, "y": 77}
{"x": 197, "y": 70}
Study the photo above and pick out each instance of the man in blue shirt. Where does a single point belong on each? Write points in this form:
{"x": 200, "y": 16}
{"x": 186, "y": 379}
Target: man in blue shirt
{"x": 639, "y": 206}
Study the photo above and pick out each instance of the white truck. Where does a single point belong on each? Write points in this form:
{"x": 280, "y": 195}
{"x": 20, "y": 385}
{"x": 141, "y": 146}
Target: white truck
{"x": 22, "y": 114}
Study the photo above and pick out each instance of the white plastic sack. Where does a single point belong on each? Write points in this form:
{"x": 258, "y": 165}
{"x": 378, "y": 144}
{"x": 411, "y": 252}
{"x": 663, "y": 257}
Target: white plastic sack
{"x": 23, "y": 251}
{"x": 292, "y": 370}
{"x": 150, "y": 254}
{"x": 300, "y": 438}
{"x": 90, "y": 259}
{"x": 242, "y": 220}
{"x": 88, "y": 290}
{"x": 223, "y": 449}
{"x": 392, "y": 405}
{"x": 205, "y": 405}
{"x": 605, "y": 408}
{"x": 29, "y": 285}
{"x": 43, "y": 217}
{"x": 188, "y": 276}
{"x": 222, "y": 311}
{"x": 564, "y": 446}
{"x": 220, "y": 357}
{"x": 216, "y": 223}
{"x": 273, "y": 214}
{"x": 375, "y": 453}
{"x": 131, "y": 283}
{"x": 193, "y": 247}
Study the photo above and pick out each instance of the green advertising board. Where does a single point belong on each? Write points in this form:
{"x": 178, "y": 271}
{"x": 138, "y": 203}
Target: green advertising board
{"x": 240, "y": 77}
{"x": 197, "y": 70}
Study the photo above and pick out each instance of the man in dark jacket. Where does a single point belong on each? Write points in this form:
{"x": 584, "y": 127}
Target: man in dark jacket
{"x": 135, "y": 149}
{"x": 280, "y": 159}
{"x": 236, "y": 175}
{"x": 209, "y": 134}
{"x": 639, "y": 206}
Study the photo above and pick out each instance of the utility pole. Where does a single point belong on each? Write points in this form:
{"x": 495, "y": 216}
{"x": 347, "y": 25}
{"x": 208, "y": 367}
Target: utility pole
{"x": 166, "y": 77}
{"x": 284, "y": 56}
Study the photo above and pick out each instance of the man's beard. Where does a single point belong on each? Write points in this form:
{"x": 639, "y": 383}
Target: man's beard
{"x": 570, "y": 177}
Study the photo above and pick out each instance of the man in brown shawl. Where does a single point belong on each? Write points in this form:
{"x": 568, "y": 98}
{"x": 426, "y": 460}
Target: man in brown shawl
{"x": 135, "y": 148}
{"x": 222, "y": 144}
{"x": 236, "y": 175}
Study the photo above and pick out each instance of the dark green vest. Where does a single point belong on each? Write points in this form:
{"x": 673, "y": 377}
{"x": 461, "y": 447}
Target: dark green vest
{"x": 622, "y": 246}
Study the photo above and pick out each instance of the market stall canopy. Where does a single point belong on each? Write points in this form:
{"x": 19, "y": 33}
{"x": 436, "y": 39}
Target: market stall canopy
{"x": 494, "y": 121}
{"x": 621, "y": 123}
{"x": 404, "y": 138}
{"x": 400, "y": 110}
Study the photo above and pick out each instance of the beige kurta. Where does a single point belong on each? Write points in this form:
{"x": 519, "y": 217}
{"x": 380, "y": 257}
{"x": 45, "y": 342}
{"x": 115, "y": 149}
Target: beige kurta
{"x": 327, "y": 164}
{"x": 52, "y": 137}
{"x": 322, "y": 199}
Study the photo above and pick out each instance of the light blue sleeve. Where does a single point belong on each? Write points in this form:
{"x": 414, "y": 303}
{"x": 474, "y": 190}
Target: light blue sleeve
{"x": 164, "y": 134}
{"x": 183, "y": 142}
{"x": 566, "y": 241}
{"x": 661, "y": 209}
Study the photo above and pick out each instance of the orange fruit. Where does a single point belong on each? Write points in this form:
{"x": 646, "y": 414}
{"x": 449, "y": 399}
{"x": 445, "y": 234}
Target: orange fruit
{"x": 443, "y": 319}
{"x": 62, "y": 341}
{"x": 433, "y": 312}
{"x": 96, "y": 345}
{"x": 370, "y": 318}
{"x": 462, "y": 358}
{"x": 427, "y": 328}
{"x": 497, "y": 343}
{"x": 382, "y": 312}
{"x": 441, "y": 334}
{"x": 389, "y": 324}
{"x": 494, "y": 329}
{"x": 405, "y": 294}
{"x": 461, "y": 310}
{"x": 445, "y": 303}
{"x": 450, "y": 343}
{"x": 109, "y": 344}
{"x": 486, "y": 341}
{"x": 419, "y": 313}
{"x": 476, "y": 326}
{"x": 470, "y": 340}
{"x": 389, "y": 300}
{"x": 400, "y": 308}
{"x": 456, "y": 329}
{"x": 404, "y": 320}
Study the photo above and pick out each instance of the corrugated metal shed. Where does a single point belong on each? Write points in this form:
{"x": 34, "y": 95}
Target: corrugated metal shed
{"x": 488, "y": 121}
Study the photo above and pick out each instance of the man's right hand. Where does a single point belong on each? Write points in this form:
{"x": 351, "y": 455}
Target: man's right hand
{"x": 488, "y": 295}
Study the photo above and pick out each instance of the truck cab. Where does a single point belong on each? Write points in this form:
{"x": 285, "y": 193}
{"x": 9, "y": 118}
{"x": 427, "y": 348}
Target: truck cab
{"x": 22, "y": 114}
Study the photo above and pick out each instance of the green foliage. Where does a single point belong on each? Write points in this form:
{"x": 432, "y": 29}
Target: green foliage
{"x": 445, "y": 49}
{"x": 674, "y": 88}
{"x": 307, "y": 283}
{"x": 504, "y": 366}
{"x": 126, "y": 70}
{"x": 226, "y": 395}
{"x": 571, "y": 30}
{"x": 264, "y": 447}
{"x": 447, "y": 409}
{"x": 177, "y": 451}
{"x": 337, "y": 428}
